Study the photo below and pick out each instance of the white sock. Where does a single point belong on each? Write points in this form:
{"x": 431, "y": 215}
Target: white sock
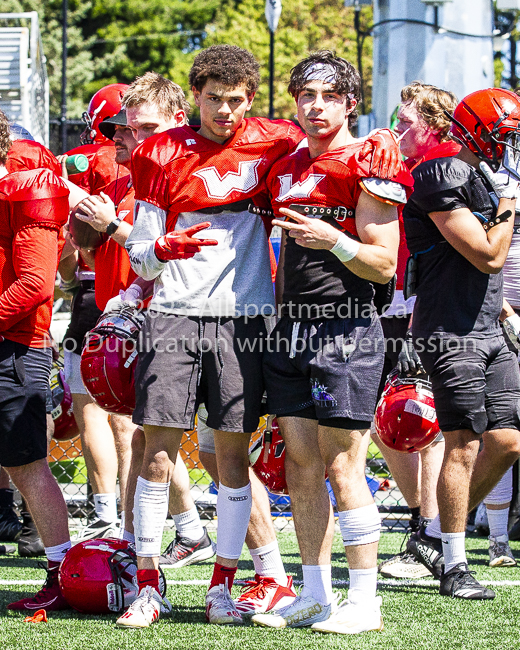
{"x": 498, "y": 520}
{"x": 233, "y": 513}
{"x": 57, "y": 553}
{"x": 363, "y": 585}
{"x": 433, "y": 529}
{"x": 188, "y": 524}
{"x": 128, "y": 537}
{"x": 454, "y": 549}
{"x": 317, "y": 581}
{"x": 105, "y": 506}
{"x": 268, "y": 562}
{"x": 150, "y": 511}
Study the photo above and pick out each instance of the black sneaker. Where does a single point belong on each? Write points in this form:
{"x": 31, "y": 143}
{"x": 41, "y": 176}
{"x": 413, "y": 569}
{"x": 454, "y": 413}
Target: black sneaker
{"x": 10, "y": 525}
{"x": 460, "y": 583}
{"x": 182, "y": 551}
{"x": 427, "y": 550}
{"x": 29, "y": 542}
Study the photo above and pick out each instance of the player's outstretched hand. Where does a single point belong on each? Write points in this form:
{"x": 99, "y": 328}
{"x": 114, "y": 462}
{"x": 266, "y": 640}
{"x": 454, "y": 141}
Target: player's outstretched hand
{"x": 408, "y": 361}
{"x": 181, "y": 244}
{"x": 308, "y": 232}
{"x": 382, "y": 145}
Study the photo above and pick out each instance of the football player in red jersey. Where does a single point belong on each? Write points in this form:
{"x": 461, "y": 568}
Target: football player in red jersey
{"x": 34, "y": 205}
{"x": 24, "y": 153}
{"x": 99, "y": 150}
{"x": 202, "y": 339}
{"x": 164, "y": 105}
{"x": 104, "y": 444}
{"x": 324, "y": 359}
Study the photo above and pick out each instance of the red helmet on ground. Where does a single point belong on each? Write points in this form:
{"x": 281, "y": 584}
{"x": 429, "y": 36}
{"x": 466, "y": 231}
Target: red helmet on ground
{"x": 109, "y": 358}
{"x": 65, "y": 427}
{"x": 485, "y": 120}
{"x": 267, "y": 458}
{"x": 105, "y": 103}
{"x": 405, "y": 418}
{"x": 99, "y": 576}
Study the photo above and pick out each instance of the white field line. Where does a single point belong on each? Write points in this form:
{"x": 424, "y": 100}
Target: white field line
{"x": 335, "y": 583}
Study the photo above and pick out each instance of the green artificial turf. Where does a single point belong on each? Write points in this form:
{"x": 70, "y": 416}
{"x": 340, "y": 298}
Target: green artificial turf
{"x": 415, "y": 617}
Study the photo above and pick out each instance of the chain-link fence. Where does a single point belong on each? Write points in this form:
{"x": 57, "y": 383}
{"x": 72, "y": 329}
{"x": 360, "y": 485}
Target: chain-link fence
{"x": 68, "y": 466}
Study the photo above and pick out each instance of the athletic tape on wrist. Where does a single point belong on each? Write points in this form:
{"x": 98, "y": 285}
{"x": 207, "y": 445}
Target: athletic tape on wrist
{"x": 345, "y": 249}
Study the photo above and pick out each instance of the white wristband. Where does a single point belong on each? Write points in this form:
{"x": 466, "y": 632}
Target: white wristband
{"x": 345, "y": 249}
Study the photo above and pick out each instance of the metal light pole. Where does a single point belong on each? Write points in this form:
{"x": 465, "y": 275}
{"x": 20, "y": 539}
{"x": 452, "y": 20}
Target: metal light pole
{"x": 63, "y": 118}
{"x": 271, "y": 74}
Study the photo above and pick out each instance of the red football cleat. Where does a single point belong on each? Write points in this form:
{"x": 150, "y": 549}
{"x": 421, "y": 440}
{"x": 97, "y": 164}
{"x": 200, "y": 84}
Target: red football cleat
{"x": 264, "y": 595}
{"x": 49, "y": 597}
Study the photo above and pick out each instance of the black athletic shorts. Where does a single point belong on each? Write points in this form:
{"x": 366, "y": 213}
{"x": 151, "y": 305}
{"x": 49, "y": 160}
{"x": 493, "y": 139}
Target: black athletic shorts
{"x": 24, "y": 380}
{"x": 85, "y": 315}
{"x": 333, "y": 364}
{"x": 186, "y": 361}
{"x": 475, "y": 382}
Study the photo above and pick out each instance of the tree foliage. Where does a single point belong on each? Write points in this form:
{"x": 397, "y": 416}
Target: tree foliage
{"x": 116, "y": 40}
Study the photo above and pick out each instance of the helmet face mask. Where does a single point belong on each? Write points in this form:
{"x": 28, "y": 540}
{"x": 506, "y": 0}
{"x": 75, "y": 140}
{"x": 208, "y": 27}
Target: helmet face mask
{"x": 104, "y": 104}
{"x": 486, "y": 122}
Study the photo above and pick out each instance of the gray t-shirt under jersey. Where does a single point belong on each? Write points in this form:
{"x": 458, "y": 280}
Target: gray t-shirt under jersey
{"x": 230, "y": 279}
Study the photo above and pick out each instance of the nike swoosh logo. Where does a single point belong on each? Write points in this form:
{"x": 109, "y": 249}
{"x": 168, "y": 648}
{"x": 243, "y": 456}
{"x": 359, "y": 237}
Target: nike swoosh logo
{"x": 40, "y": 605}
{"x": 445, "y": 542}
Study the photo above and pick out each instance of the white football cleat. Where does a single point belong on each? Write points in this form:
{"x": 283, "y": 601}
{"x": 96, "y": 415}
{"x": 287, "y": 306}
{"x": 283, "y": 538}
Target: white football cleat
{"x": 265, "y": 595}
{"x": 145, "y": 609}
{"x": 353, "y": 618}
{"x": 220, "y": 608}
{"x": 304, "y": 611}
{"x": 404, "y": 565}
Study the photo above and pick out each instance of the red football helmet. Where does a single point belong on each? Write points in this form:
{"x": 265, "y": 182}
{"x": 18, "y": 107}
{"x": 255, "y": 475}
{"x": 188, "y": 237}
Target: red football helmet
{"x": 65, "y": 427}
{"x": 99, "y": 576}
{"x": 405, "y": 418}
{"x": 485, "y": 121}
{"x": 267, "y": 458}
{"x": 109, "y": 358}
{"x": 105, "y": 103}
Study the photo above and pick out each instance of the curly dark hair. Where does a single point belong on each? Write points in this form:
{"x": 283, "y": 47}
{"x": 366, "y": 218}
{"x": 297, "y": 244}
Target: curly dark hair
{"x": 229, "y": 65}
{"x": 5, "y": 140}
{"x": 348, "y": 81}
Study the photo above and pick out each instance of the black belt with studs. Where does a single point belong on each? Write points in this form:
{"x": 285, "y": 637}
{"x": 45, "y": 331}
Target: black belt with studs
{"x": 339, "y": 213}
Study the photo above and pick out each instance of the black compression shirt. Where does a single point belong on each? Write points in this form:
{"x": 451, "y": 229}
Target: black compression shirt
{"x": 454, "y": 298}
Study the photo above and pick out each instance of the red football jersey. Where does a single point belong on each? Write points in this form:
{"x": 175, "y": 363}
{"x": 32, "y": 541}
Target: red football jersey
{"x": 102, "y": 167}
{"x": 113, "y": 270}
{"x": 34, "y": 205}
{"x": 180, "y": 171}
{"x": 28, "y": 154}
{"x": 330, "y": 180}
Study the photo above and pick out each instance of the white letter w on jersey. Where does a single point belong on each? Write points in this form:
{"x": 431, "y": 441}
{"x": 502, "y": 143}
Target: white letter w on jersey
{"x": 220, "y": 187}
{"x": 299, "y": 190}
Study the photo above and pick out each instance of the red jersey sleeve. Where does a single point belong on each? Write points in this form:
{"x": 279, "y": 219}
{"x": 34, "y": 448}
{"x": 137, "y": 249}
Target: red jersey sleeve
{"x": 150, "y": 179}
{"x": 35, "y": 255}
{"x": 26, "y": 154}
